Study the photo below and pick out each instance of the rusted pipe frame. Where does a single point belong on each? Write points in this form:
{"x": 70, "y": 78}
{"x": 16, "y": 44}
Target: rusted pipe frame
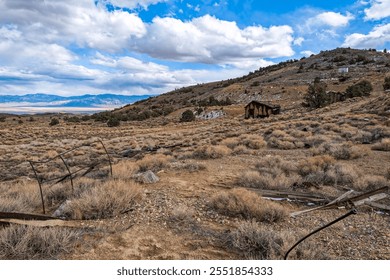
{"x": 352, "y": 212}
{"x": 59, "y": 155}
{"x": 62, "y": 178}
{"x": 69, "y": 173}
{"x": 108, "y": 156}
{"x": 66, "y": 152}
{"x": 40, "y": 186}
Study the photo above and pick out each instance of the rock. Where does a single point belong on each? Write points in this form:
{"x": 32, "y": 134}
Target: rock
{"x": 147, "y": 177}
{"x": 131, "y": 153}
{"x": 63, "y": 211}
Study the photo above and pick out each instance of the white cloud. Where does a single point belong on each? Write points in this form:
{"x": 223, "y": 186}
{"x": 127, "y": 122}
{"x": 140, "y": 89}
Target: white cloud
{"x": 307, "y": 53}
{"x": 37, "y": 39}
{"x": 330, "y": 19}
{"x": 374, "y": 39}
{"x": 298, "y": 41}
{"x": 379, "y": 9}
{"x": 132, "y": 4}
{"x": 210, "y": 40}
{"x": 129, "y": 64}
{"x": 73, "y": 21}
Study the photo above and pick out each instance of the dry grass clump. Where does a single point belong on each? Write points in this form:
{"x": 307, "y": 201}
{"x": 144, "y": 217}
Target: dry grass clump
{"x": 323, "y": 170}
{"x": 315, "y": 140}
{"x": 211, "y": 152}
{"x": 315, "y": 164}
{"x": 21, "y": 196}
{"x": 58, "y": 193}
{"x": 231, "y": 142}
{"x": 252, "y": 241}
{"x": 124, "y": 169}
{"x": 254, "y": 142}
{"x": 341, "y": 151}
{"x": 384, "y": 145}
{"x": 241, "y": 202}
{"x": 253, "y": 179}
{"x": 188, "y": 166}
{"x": 29, "y": 243}
{"x": 103, "y": 201}
{"x": 182, "y": 215}
{"x": 275, "y": 165}
{"x": 241, "y": 150}
{"x": 363, "y": 137}
{"x": 282, "y": 140}
{"x": 370, "y": 182}
{"x": 154, "y": 163}
{"x": 271, "y": 173}
{"x": 255, "y": 241}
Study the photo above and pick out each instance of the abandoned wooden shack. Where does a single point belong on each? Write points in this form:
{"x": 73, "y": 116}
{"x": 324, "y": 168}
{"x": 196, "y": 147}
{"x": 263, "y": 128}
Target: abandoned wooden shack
{"x": 256, "y": 109}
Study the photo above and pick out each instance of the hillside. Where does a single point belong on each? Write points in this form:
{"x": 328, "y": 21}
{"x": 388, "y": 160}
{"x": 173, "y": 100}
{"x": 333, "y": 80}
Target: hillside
{"x": 284, "y": 83}
{"x": 226, "y": 188}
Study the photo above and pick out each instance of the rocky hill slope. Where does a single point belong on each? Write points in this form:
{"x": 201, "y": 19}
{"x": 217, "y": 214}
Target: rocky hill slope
{"x": 284, "y": 83}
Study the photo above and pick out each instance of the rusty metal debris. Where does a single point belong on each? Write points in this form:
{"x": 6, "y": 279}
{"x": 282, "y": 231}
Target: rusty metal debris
{"x": 70, "y": 175}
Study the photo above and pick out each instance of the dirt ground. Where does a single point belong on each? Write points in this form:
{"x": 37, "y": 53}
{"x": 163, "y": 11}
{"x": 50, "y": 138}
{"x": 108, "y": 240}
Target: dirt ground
{"x": 175, "y": 219}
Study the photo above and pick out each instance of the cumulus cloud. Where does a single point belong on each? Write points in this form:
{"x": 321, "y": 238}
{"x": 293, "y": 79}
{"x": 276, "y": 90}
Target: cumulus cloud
{"x": 330, "y": 19}
{"x": 379, "y": 9}
{"x": 374, "y": 39}
{"x": 129, "y": 64}
{"x": 210, "y": 40}
{"x": 78, "y": 22}
{"x": 79, "y": 46}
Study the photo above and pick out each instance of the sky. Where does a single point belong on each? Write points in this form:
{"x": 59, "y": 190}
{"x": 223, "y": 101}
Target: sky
{"x": 136, "y": 47}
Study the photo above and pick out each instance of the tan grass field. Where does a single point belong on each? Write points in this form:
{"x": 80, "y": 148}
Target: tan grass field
{"x": 205, "y": 204}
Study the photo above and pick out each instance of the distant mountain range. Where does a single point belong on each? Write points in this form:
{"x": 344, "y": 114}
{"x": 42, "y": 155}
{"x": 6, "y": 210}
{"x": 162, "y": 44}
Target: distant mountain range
{"x": 84, "y": 101}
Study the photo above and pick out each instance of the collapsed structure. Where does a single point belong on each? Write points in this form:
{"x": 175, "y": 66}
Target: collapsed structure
{"x": 256, "y": 109}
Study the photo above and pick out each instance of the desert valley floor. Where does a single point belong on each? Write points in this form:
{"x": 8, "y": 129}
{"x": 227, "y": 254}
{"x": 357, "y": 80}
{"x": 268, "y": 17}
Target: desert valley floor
{"x": 193, "y": 190}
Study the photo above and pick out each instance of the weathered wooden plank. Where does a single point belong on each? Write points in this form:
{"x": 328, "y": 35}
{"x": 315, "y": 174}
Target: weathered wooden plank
{"x": 332, "y": 204}
{"x": 367, "y": 194}
{"x": 310, "y": 197}
{"x": 344, "y": 200}
{"x": 372, "y": 198}
{"x": 378, "y": 205}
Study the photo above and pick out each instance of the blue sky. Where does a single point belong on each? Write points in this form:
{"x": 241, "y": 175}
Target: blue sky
{"x": 152, "y": 46}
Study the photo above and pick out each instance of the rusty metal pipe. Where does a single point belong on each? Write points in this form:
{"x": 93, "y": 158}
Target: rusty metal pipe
{"x": 40, "y": 186}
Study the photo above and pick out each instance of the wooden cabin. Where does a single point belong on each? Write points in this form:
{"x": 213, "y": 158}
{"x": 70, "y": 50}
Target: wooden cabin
{"x": 256, "y": 109}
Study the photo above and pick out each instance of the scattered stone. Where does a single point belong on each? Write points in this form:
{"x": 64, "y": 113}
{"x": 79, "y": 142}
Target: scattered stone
{"x": 63, "y": 210}
{"x": 147, "y": 177}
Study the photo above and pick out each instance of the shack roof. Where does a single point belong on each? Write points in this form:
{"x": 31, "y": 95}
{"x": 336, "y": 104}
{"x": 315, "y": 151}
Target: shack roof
{"x": 273, "y": 106}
